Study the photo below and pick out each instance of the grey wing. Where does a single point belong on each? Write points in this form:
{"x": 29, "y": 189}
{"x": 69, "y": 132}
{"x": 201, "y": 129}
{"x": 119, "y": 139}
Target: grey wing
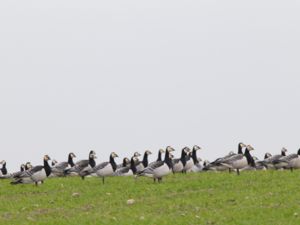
{"x": 121, "y": 171}
{"x": 86, "y": 171}
{"x": 100, "y": 166}
{"x": 233, "y": 158}
{"x": 61, "y": 165}
{"x": 151, "y": 168}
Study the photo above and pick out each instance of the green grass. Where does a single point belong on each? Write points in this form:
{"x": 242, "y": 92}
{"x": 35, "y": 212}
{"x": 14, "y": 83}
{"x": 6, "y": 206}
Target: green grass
{"x": 261, "y": 197}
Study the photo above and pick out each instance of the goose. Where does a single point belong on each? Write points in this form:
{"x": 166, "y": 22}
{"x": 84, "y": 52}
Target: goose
{"x": 127, "y": 170}
{"x": 125, "y": 163}
{"x": 191, "y": 159}
{"x": 268, "y": 162}
{"x": 35, "y": 175}
{"x": 82, "y": 164}
{"x": 197, "y": 167}
{"x": 159, "y": 157}
{"x": 159, "y": 169}
{"x": 106, "y": 169}
{"x": 291, "y": 162}
{"x": 3, "y": 170}
{"x": 240, "y": 161}
{"x": 179, "y": 163}
{"x": 217, "y": 164}
{"x": 58, "y": 170}
{"x": 143, "y": 164}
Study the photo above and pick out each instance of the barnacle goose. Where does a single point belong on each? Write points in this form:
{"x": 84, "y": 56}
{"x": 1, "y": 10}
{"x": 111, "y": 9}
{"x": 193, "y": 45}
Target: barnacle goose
{"x": 3, "y": 170}
{"x": 179, "y": 163}
{"x": 190, "y": 160}
{"x": 197, "y": 166}
{"x": 159, "y": 169}
{"x": 127, "y": 170}
{"x": 125, "y": 163}
{"x": 82, "y": 165}
{"x": 269, "y": 162}
{"x": 217, "y": 164}
{"x": 143, "y": 164}
{"x": 106, "y": 169}
{"x": 159, "y": 157}
{"x": 240, "y": 161}
{"x": 291, "y": 162}
{"x": 35, "y": 175}
{"x": 58, "y": 170}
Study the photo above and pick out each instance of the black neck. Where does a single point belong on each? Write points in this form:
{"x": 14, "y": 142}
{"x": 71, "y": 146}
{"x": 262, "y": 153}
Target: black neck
{"x": 132, "y": 165}
{"x": 124, "y": 162}
{"x": 47, "y": 168}
{"x": 283, "y": 153}
{"x": 240, "y": 149}
{"x": 266, "y": 156}
{"x": 145, "y": 160}
{"x": 249, "y": 158}
{"x": 194, "y": 156}
{"x": 112, "y": 162}
{"x": 183, "y": 157}
{"x": 159, "y": 156}
{"x": 3, "y": 169}
{"x": 70, "y": 160}
{"x": 299, "y": 152}
{"x": 168, "y": 161}
{"x": 92, "y": 162}
{"x": 22, "y": 169}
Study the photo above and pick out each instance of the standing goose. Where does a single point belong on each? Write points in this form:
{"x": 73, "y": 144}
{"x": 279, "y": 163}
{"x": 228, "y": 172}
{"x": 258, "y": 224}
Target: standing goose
{"x": 240, "y": 161}
{"x": 217, "y": 164}
{"x": 291, "y": 162}
{"x": 58, "y": 170}
{"x": 3, "y": 170}
{"x": 106, "y": 169}
{"x": 191, "y": 159}
{"x": 179, "y": 163}
{"x": 159, "y": 157}
{"x": 268, "y": 162}
{"x": 197, "y": 166}
{"x": 82, "y": 164}
{"x": 143, "y": 164}
{"x": 127, "y": 170}
{"x": 35, "y": 175}
{"x": 159, "y": 169}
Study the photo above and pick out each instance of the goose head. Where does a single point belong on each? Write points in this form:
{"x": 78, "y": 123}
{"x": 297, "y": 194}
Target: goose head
{"x": 170, "y": 149}
{"x": 28, "y": 166}
{"x": 2, "y": 162}
{"x": 148, "y": 152}
{"x": 250, "y": 148}
{"x": 126, "y": 161}
{"x": 267, "y": 155}
{"x": 187, "y": 150}
{"x": 283, "y": 151}
{"x": 54, "y": 162}
{"x": 242, "y": 145}
{"x": 114, "y": 155}
{"x": 22, "y": 167}
{"x": 136, "y": 154}
{"x": 92, "y": 154}
{"x": 196, "y": 148}
{"x": 72, "y": 155}
{"x": 47, "y": 158}
{"x": 161, "y": 151}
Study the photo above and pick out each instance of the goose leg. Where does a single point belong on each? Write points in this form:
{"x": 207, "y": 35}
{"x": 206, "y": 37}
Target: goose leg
{"x": 36, "y": 184}
{"x": 238, "y": 171}
{"x": 103, "y": 180}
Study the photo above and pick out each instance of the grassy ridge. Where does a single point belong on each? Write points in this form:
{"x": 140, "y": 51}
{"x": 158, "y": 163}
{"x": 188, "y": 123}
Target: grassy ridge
{"x": 261, "y": 197}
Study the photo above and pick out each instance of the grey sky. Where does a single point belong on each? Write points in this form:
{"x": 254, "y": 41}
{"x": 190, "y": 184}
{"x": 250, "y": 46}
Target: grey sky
{"x": 128, "y": 76}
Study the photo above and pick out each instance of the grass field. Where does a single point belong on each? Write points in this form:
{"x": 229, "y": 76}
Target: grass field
{"x": 261, "y": 197}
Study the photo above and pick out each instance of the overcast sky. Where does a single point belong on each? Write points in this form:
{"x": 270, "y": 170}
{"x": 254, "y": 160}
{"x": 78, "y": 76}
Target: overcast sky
{"x": 128, "y": 76}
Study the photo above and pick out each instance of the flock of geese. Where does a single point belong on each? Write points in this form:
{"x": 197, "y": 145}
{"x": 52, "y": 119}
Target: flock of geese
{"x": 133, "y": 166}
